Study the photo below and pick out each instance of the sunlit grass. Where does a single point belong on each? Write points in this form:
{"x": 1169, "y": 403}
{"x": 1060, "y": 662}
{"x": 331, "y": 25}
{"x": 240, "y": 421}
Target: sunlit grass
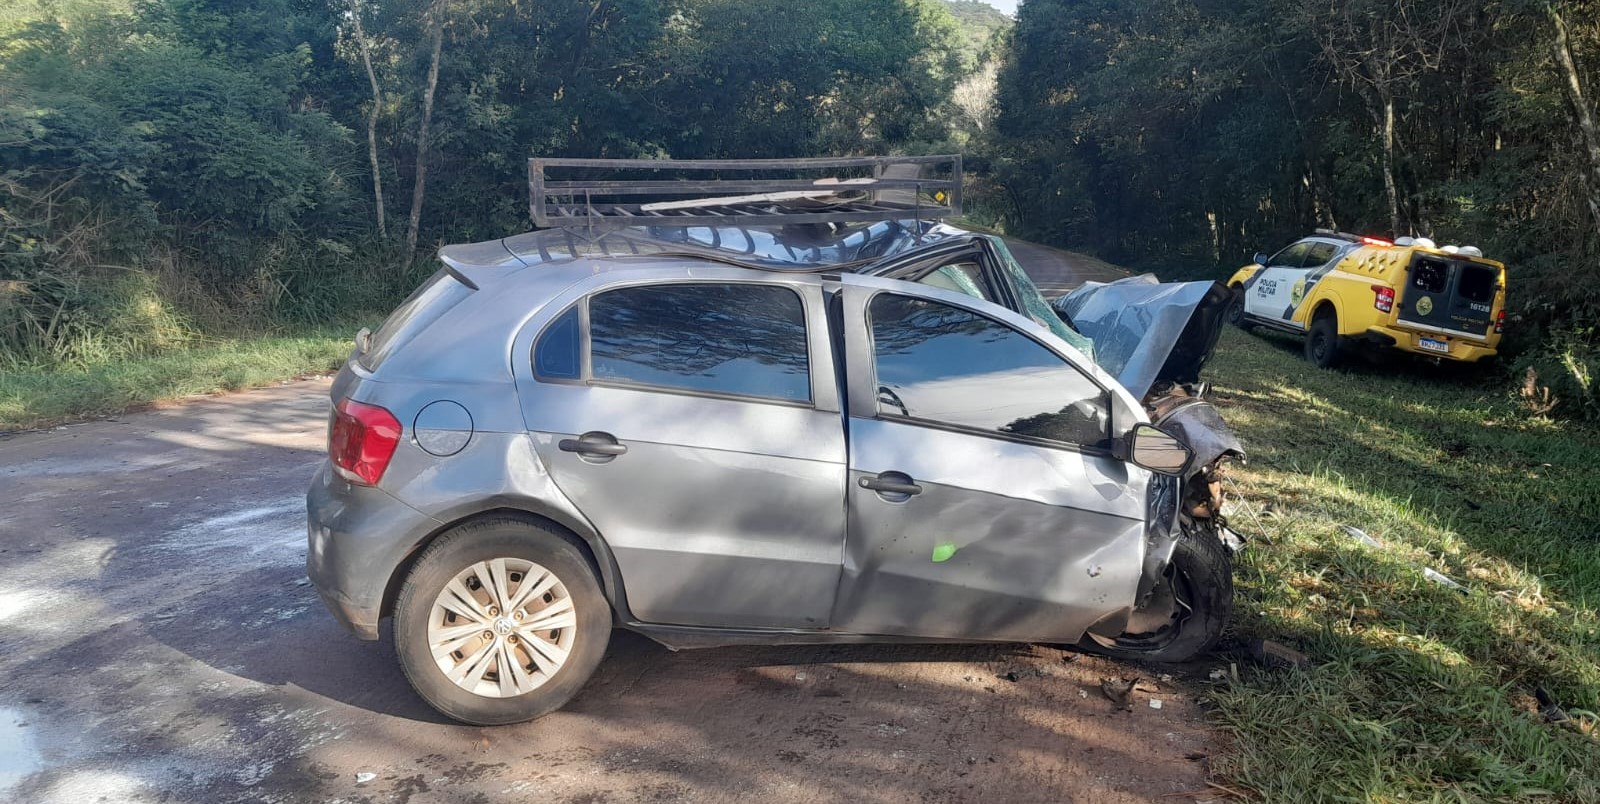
{"x": 41, "y": 397}
{"x": 1417, "y": 691}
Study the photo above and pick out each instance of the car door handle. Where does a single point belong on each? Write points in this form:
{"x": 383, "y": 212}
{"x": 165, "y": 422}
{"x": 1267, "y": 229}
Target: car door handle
{"x": 589, "y": 445}
{"x": 890, "y": 485}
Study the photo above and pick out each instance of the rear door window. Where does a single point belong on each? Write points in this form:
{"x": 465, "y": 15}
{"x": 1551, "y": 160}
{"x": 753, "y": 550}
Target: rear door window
{"x": 1477, "y": 283}
{"x": 944, "y": 365}
{"x": 1319, "y": 254}
{"x": 734, "y": 339}
{"x": 1430, "y": 275}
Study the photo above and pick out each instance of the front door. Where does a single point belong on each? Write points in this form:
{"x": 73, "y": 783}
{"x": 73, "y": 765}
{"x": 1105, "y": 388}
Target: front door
{"x": 982, "y": 503}
{"x": 696, "y": 425}
{"x": 1271, "y": 292}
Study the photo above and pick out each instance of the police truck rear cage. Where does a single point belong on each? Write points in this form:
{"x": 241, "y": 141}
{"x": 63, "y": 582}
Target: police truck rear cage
{"x": 603, "y": 193}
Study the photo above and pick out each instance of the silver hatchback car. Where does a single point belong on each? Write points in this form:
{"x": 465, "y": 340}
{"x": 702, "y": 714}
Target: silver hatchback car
{"x": 554, "y": 437}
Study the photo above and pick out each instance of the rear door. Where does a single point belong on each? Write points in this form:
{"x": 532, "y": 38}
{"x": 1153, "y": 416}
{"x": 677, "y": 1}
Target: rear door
{"x": 696, "y": 423}
{"x": 982, "y": 501}
{"x": 1449, "y": 296}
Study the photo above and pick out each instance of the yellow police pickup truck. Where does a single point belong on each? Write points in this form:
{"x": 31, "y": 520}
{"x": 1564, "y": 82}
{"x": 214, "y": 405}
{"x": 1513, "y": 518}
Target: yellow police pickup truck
{"x": 1340, "y": 290}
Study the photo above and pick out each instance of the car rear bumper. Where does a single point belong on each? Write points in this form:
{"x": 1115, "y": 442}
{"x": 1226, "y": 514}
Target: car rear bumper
{"x": 1406, "y": 340}
{"x": 356, "y": 538}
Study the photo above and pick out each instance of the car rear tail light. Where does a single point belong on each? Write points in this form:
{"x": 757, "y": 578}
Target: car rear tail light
{"x": 1500, "y": 322}
{"x": 361, "y": 441}
{"x": 1384, "y": 298}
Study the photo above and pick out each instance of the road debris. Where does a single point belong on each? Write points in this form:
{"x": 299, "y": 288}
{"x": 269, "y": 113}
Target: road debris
{"x": 1361, "y": 536}
{"x": 1427, "y": 572}
{"x": 1155, "y": 703}
{"x": 1268, "y": 652}
{"x": 1549, "y": 709}
{"x": 1119, "y": 690}
{"x": 364, "y": 777}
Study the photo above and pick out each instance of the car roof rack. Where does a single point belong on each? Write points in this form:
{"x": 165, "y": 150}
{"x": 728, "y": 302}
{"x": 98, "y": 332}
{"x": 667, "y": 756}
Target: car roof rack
{"x": 743, "y": 192}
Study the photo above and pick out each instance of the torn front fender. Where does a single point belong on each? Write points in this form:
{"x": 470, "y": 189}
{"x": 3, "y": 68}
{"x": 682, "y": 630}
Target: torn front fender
{"x": 1196, "y": 422}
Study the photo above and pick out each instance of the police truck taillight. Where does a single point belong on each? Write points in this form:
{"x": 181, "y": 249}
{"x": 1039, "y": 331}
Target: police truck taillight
{"x": 361, "y": 440}
{"x": 1383, "y": 298}
{"x": 1500, "y": 323}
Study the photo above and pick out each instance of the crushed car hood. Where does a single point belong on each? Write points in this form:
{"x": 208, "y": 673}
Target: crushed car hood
{"x": 1147, "y": 331}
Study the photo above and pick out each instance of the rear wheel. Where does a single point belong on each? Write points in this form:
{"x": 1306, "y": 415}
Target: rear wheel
{"x": 500, "y": 621}
{"x": 1324, "y": 346}
{"x": 1187, "y": 610}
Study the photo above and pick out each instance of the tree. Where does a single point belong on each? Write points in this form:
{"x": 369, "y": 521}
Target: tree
{"x": 435, "y": 26}
{"x": 365, "y": 47}
{"x": 1582, "y": 115}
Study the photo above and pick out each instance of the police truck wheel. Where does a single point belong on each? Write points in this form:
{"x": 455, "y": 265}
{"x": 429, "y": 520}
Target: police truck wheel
{"x": 1324, "y": 347}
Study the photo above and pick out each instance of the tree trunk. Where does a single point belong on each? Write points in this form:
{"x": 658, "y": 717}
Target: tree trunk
{"x": 1582, "y": 115}
{"x": 419, "y": 189}
{"x": 1388, "y": 165}
{"x": 372, "y": 117}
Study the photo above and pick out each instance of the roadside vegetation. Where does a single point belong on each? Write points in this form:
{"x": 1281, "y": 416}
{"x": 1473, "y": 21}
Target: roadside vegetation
{"x": 41, "y": 397}
{"x": 1415, "y": 691}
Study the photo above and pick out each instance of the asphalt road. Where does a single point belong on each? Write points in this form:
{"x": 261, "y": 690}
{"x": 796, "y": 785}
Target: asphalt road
{"x": 159, "y": 642}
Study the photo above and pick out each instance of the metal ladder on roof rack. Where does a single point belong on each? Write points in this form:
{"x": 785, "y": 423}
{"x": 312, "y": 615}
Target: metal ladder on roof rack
{"x": 743, "y": 192}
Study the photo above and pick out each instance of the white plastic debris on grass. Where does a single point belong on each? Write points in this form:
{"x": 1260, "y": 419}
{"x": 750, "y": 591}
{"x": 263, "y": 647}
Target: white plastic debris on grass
{"x": 1427, "y": 572}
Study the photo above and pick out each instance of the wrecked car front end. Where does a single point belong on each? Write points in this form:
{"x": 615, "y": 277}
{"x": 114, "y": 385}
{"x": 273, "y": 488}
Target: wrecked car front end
{"x": 1155, "y": 338}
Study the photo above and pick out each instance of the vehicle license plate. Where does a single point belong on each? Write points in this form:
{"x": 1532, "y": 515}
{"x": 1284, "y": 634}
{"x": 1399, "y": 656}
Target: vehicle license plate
{"x": 1435, "y": 345}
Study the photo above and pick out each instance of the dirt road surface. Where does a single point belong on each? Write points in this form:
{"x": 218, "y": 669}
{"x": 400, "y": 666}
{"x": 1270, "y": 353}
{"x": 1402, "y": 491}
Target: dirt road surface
{"x": 159, "y": 642}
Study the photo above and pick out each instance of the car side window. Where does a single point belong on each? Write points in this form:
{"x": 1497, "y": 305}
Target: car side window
{"x": 1292, "y": 257}
{"x": 1319, "y": 254}
{"x": 964, "y": 277}
{"x": 737, "y": 339}
{"x": 941, "y": 364}
{"x": 557, "y": 356}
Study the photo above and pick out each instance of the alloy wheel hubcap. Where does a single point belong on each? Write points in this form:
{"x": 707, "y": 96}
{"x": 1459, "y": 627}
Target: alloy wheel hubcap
{"x": 502, "y": 628}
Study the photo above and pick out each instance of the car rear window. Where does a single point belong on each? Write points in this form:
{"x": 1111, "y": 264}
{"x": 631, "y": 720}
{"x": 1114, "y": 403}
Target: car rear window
{"x": 423, "y": 307}
{"x": 746, "y": 340}
{"x": 1430, "y": 275}
{"x": 1476, "y": 283}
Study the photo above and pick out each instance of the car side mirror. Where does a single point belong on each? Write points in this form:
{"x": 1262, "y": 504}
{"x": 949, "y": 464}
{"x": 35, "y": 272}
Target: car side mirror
{"x": 1157, "y": 450}
{"x": 1261, "y": 258}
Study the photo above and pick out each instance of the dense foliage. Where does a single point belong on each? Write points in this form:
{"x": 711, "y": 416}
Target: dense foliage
{"x": 170, "y": 167}
{"x": 1187, "y": 135}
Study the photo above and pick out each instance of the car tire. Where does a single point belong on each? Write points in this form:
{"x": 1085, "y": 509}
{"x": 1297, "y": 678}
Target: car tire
{"x": 1324, "y": 346}
{"x": 1236, "y": 314}
{"x": 554, "y": 663}
{"x": 1202, "y": 569}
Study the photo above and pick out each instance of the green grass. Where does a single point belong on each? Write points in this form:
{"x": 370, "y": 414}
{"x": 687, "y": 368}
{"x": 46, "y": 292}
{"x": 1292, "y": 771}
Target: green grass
{"x": 1417, "y": 692}
{"x": 41, "y": 397}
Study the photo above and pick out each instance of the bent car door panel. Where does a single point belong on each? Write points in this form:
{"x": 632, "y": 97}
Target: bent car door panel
{"x": 1003, "y": 539}
{"x": 720, "y": 511}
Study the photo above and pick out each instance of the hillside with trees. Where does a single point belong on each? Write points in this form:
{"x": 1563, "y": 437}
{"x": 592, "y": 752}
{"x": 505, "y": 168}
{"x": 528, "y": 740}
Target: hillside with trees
{"x": 178, "y": 167}
{"x": 171, "y": 169}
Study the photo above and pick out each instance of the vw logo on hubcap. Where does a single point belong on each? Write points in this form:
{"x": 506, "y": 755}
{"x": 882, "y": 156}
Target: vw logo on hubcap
{"x": 502, "y": 626}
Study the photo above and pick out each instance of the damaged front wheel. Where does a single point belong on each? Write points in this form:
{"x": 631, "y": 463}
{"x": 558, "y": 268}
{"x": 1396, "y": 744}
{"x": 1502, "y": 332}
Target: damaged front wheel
{"x": 1186, "y": 612}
